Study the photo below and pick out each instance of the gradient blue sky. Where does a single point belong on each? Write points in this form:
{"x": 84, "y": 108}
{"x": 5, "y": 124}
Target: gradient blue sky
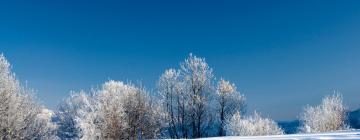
{"x": 282, "y": 55}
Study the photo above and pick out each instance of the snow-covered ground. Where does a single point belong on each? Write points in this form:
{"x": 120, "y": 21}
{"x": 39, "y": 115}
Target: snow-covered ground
{"x": 343, "y": 135}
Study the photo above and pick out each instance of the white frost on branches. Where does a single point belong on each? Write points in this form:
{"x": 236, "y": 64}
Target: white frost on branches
{"x": 20, "y": 116}
{"x": 330, "y": 115}
{"x": 115, "y": 111}
{"x": 194, "y": 106}
{"x": 174, "y": 100}
{"x": 191, "y": 105}
{"x": 253, "y": 125}
{"x": 198, "y": 77}
{"x": 186, "y": 94}
{"x": 229, "y": 102}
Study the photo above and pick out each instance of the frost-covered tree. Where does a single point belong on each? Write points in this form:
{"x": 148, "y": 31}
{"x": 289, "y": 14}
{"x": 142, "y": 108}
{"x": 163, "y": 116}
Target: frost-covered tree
{"x": 20, "y": 115}
{"x": 330, "y": 115}
{"x": 115, "y": 111}
{"x": 143, "y": 115}
{"x": 253, "y": 125}
{"x": 229, "y": 102}
{"x": 111, "y": 114}
{"x": 74, "y": 115}
{"x": 174, "y": 100}
{"x": 127, "y": 112}
{"x": 44, "y": 127}
{"x": 198, "y": 78}
{"x": 194, "y": 107}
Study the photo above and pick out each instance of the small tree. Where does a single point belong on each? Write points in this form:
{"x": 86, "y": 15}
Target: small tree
{"x": 44, "y": 126}
{"x": 229, "y": 101}
{"x": 76, "y": 117}
{"x": 252, "y": 126}
{"x": 330, "y": 115}
{"x": 68, "y": 113}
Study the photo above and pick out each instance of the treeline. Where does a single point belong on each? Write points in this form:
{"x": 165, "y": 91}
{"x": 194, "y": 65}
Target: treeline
{"x": 188, "y": 103}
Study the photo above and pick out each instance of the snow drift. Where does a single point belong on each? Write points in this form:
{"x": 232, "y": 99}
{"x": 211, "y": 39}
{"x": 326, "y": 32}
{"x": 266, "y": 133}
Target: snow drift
{"x": 343, "y": 135}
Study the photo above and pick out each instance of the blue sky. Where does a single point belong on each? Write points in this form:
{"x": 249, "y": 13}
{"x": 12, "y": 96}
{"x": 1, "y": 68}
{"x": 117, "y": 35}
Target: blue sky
{"x": 282, "y": 55}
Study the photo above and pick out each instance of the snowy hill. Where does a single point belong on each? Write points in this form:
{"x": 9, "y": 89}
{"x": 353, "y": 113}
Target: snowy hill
{"x": 354, "y": 119}
{"x": 289, "y": 127}
{"x": 343, "y": 135}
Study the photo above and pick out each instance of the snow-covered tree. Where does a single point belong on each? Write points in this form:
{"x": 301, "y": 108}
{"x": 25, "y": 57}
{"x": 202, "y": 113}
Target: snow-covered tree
{"x": 198, "y": 78}
{"x": 330, "y": 115}
{"x": 194, "y": 107}
{"x": 20, "y": 115}
{"x": 130, "y": 111}
{"x": 75, "y": 116}
{"x": 174, "y": 100}
{"x": 111, "y": 114}
{"x": 253, "y": 125}
{"x": 229, "y": 102}
{"x": 115, "y": 111}
{"x": 44, "y": 127}
{"x": 143, "y": 115}
{"x": 186, "y": 94}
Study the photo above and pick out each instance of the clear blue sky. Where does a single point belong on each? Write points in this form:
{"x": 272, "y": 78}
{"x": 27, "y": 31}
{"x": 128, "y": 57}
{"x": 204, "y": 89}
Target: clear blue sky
{"x": 282, "y": 55}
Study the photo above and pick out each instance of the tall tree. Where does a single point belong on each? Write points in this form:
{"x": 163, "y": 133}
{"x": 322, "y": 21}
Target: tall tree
{"x": 20, "y": 115}
{"x": 174, "y": 100}
{"x": 198, "y": 78}
{"x": 194, "y": 106}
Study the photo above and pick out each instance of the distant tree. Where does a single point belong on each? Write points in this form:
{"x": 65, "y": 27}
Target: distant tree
{"x": 252, "y": 126}
{"x": 20, "y": 115}
{"x": 229, "y": 101}
{"x": 330, "y": 115}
